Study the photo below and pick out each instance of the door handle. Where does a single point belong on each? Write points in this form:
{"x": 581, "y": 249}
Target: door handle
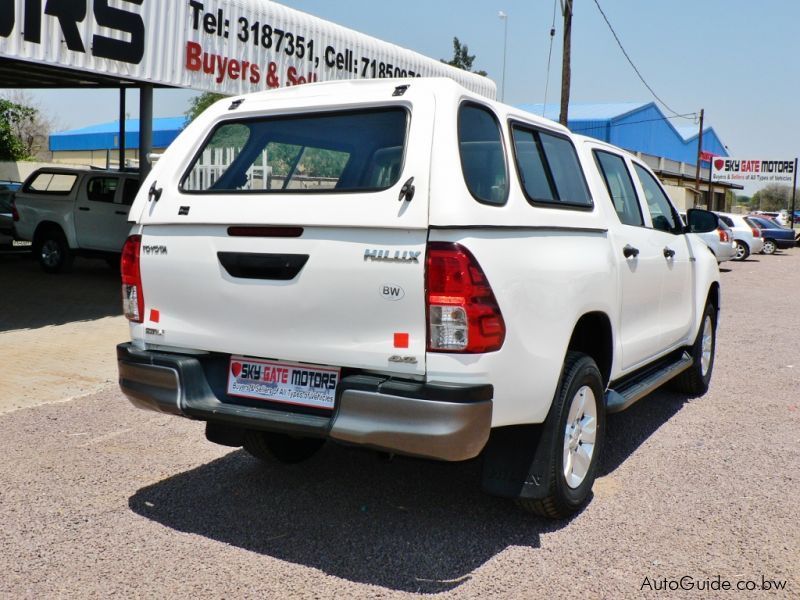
{"x": 84, "y": 208}
{"x": 669, "y": 252}
{"x": 120, "y": 212}
{"x": 629, "y": 251}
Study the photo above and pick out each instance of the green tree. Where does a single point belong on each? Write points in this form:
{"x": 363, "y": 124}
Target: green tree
{"x": 462, "y": 59}
{"x": 13, "y": 116}
{"x": 199, "y": 103}
{"x": 773, "y": 197}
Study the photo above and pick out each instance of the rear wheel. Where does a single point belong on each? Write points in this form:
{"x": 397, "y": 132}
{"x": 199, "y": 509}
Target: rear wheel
{"x": 269, "y": 446}
{"x": 769, "y": 247}
{"x": 694, "y": 381}
{"x": 52, "y": 252}
{"x": 742, "y": 250}
{"x": 578, "y": 439}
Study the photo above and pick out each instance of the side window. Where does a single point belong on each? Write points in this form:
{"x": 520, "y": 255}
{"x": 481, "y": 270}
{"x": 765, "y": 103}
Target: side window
{"x": 727, "y": 220}
{"x": 59, "y": 184}
{"x": 483, "y": 158}
{"x": 129, "y": 190}
{"x": 102, "y": 189}
{"x": 657, "y": 202}
{"x": 549, "y": 169}
{"x": 620, "y": 187}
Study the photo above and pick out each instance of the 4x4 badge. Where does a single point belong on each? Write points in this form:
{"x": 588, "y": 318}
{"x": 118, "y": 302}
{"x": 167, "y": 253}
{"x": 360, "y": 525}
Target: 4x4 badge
{"x": 405, "y": 256}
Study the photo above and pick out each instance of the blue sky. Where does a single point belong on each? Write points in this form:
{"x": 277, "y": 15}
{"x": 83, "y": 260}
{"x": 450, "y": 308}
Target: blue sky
{"x": 737, "y": 59}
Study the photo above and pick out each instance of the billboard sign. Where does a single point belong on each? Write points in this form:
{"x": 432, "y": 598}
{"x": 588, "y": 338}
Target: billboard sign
{"x": 225, "y": 46}
{"x": 745, "y": 170}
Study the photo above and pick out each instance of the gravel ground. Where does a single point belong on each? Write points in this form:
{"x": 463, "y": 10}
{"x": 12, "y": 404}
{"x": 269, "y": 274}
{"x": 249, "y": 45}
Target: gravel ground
{"x": 101, "y": 500}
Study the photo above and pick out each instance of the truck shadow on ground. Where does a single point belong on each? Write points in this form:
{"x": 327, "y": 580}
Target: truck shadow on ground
{"x": 405, "y": 524}
{"x": 31, "y": 298}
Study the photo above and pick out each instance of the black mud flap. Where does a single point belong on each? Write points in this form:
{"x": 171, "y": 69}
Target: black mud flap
{"x": 224, "y": 434}
{"x": 517, "y": 459}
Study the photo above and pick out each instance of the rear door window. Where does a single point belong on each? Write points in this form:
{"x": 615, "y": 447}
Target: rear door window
{"x": 620, "y": 187}
{"x": 324, "y": 152}
{"x": 102, "y": 189}
{"x": 483, "y": 157}
{"x": 549, "y": 169}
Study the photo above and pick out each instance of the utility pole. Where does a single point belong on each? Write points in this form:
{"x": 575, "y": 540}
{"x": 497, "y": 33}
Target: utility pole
{"x": 699, "y": 153}
{"x": 566, "y": 71}
{"x": 794, "y": 193}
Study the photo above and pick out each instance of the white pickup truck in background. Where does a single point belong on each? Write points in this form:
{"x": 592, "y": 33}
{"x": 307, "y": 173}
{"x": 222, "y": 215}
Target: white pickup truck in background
{"x": 70, "y": 211}
{"x": 406, "y": 266}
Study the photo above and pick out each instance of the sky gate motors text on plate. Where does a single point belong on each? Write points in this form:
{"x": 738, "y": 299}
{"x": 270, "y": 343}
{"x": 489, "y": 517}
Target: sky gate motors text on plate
{"x": 309, "y": 55}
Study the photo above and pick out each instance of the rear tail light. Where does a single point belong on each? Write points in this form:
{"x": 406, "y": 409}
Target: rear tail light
{"x": 756, "y": 232}
{"x": 723, "y": 235}
{"x": 132, "y": 296}
{"x": 463, "y": 315}
{"x": 14, "y": 212}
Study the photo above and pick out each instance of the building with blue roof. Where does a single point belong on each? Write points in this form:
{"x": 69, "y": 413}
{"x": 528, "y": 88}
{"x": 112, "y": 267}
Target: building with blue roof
{"x": 667, "y": 145}
{"x": 637, "y": 127}
{"x": 97, "y": 145}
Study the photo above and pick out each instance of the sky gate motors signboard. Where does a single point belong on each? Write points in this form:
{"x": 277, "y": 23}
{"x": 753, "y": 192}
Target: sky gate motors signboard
{"x": 742, "y": 170}
{"x": 231, "y": 47}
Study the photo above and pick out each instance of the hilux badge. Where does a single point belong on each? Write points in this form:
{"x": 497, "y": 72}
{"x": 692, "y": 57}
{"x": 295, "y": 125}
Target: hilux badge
{"x": 404, "y": 256}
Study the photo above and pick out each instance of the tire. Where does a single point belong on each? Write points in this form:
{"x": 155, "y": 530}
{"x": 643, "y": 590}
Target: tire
{"x": 269, "y": 447}
{"x": 742, "y": 251}
{"x": 576, "y": 429}
{"x": 694, "y": 381}
{"x": 769, "y": 247}
{"x": 52, "y": 252}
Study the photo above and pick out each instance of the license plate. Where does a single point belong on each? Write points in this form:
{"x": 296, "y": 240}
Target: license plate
{"x": 289, "y": 383}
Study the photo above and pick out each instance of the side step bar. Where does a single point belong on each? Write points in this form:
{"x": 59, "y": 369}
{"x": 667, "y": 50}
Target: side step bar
{"x": 631, "y": 391}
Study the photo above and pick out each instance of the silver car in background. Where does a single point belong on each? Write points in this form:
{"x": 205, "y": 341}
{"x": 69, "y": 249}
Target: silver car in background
{"x": 746, "y": 235}
{"x": 720, "y": 241}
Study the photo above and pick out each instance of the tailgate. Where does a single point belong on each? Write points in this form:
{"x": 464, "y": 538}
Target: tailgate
{"x": 286, "y": 237}
{"x": 320, "y": 298}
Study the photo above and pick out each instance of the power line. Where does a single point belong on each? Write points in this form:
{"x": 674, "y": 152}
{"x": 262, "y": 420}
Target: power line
{"x": 550, "y": 55}
{"x": 619, "y": 43}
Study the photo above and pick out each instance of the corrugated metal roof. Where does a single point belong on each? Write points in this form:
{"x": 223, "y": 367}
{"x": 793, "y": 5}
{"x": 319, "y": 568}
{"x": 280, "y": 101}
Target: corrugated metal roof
{"x": 105, "y": 136}
{"x": 131, "y": 126}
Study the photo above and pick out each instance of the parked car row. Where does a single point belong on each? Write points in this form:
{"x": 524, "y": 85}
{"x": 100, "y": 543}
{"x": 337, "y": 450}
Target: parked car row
{"x": 738, "y": 236}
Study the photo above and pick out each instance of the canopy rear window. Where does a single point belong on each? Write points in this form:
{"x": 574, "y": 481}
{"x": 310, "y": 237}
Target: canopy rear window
{"x": 347, "y": 151}
{"x": 46, "y": 182}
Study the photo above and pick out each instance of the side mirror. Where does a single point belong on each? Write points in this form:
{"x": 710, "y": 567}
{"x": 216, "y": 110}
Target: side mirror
{"x": 700, "y": 221}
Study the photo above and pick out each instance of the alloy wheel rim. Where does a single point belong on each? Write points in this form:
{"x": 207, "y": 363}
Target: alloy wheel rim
{"x": 51, "y": 253}
{"x": 579, "y": 436}
{"x": 739, "y": 251}
{"x": 707, "y": 346}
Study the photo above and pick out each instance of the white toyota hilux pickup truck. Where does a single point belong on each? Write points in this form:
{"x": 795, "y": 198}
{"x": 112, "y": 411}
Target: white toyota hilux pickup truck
{"x": 75, "y": 211}
{"x": 406, "y": 266}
